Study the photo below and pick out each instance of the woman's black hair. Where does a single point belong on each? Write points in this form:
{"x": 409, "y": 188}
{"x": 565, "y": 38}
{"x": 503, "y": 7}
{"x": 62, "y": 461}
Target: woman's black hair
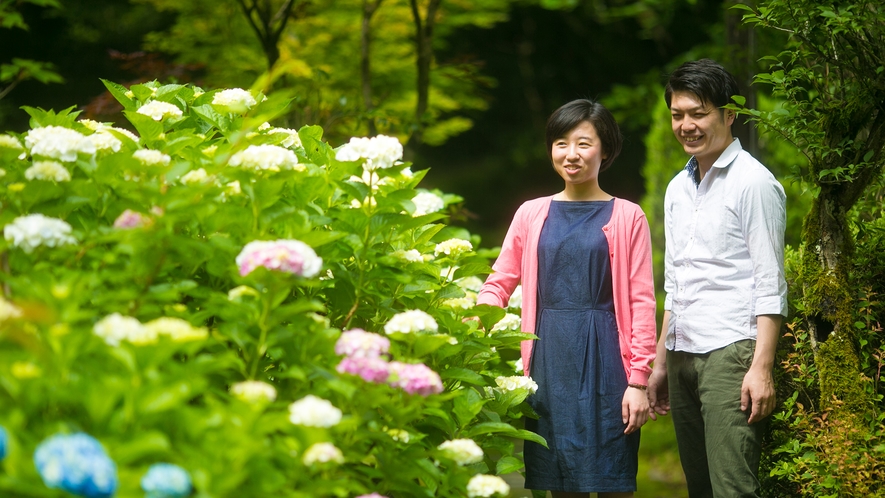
{"x": 569, "y": 116}
{"x": 706, "y": 79}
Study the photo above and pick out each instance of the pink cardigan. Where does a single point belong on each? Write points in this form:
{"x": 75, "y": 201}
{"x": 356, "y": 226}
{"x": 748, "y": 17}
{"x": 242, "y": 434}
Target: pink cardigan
{"x": 629, "y": 244}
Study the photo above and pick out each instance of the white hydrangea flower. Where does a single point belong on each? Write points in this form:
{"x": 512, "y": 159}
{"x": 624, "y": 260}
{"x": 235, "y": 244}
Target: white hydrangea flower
{"x": 518, "y": 367}
{"x": 235, "y": 99}
{"x": 195, "y": 176}
{"x": 233, "y": 188}
{"x": 471, "y": 283}
{"x": 462, "y": 451}
{"x": 150, "y": 157}
{"x": 2, "y": 172}
{"x": 96, "y": 126}
{"x": 509, "y": 322}
{"x": 516, "y": 382}
{"x": 58, "y": 142}
{"x": 8, "y": 310}
{"x": 159, "y": 110}
{"x": 465, "y": 302}
{"x": 292, "y": 139}
{"x": 322, "y": 453}
{"x": 34, "y": 230}
{"x": 50, "y": 171}
{"x": 411, "y": 321}
{"x": 177, "y": 329}
{"x": 398, "y": 435}
{"x": 426, "y": 203}
{"x": 266, "y": 157}
{"x": 410, "y": 256}
{"x": 311, "y": 411}
{"x": 10, "y": 142}
{"x": 453, "y": 247}
{"x": 379, "y": 151}
{"x": 254, "y": 391}
{"x": 486, "y": 486}
{"x": 515, "y": 301}
{"x": 103, "y": 140}
{"x": 116, "y": 328}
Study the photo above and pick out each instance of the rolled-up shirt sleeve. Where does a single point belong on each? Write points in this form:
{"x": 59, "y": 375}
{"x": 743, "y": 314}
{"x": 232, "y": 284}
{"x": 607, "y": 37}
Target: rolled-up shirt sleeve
{"x": 763, "y": 216}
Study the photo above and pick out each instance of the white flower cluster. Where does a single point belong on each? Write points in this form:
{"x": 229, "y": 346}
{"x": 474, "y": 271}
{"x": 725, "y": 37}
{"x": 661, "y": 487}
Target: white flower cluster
{"x": 515, "y": 301}
{"x": 177, "y": 329}
{"x": 149, "y": 157}
{"x": 235, "y": 99}
{"x": 105, "y": 141}
{"x": 10, "y": 142}
{"x": 58, "y": 142}
{"x": 50, "y": 171}
{"x": 518, "y": 366}
{"x": 34, "y": 230}
{"x": 471, "y": 283}
{"x": 411, "y": 321}
{"x": 101, "y": 127}
{"x": 516, "y": 382}
{"x": 509, "y": 322}
{"x": 486, "y": 486}
{"x": 311, "y": 411}
{"x": 453, "y": 247}
{"x": 462, "y": 451}
{"x": 254, "y": 391}
{"x": 426, "y": 203}
{"x": 292, "y": 139}
{"x": 322, "y": 453}
{"x": 410, "y": 256}
{"x": 196, "y": 176}
{"x": 266, "y": 158}
{"x": 465, "y": 302}
{"x": 159, "y": 110}
{"x": 115, "y": 328}
{"x": 379, "y": 152}
{"x": 8, "y": 310}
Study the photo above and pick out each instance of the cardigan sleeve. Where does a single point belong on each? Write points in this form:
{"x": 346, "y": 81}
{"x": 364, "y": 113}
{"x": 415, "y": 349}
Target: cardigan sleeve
{"x": 642, "y": 301}
{"x": 508, "y": 267}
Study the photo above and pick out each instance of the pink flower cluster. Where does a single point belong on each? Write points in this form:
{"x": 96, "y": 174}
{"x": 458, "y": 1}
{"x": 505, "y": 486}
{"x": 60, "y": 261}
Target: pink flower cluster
{"x": 131, "y": 219}
{"x": 289, "y": 256}
{"x": 363, "y": 356}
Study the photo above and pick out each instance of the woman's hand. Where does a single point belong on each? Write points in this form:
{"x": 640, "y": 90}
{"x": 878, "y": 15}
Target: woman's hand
{"x": 634, "y": 409}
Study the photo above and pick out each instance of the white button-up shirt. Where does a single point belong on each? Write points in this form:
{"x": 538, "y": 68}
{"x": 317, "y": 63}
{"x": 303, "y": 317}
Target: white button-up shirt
{"x": 724, "y": 262}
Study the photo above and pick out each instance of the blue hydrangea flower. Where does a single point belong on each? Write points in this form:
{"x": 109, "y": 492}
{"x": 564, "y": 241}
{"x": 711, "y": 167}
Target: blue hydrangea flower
{"x": 164, "y": 480}
{"x": 78, "y": 464}
{"x": 3, "y": 443}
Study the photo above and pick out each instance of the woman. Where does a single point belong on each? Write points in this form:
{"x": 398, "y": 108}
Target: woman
{"x": 584, "y": 260}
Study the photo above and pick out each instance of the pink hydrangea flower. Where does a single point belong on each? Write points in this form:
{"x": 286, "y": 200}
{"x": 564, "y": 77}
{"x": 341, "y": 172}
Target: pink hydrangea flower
{"x": 130, "y": 219}
{"x": 362, "y": 344}
{"x": 370, "y": 369}
{"x": 289, "y": 256}
{"x": 373, "y": 495}
{"x": 415, "y": 378}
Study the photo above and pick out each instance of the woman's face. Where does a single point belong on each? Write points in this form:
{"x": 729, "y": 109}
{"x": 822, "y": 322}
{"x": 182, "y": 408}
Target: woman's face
{"x": 578, "y": 155}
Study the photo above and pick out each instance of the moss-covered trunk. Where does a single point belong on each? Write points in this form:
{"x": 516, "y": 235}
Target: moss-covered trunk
{"x": 827, "y": 293}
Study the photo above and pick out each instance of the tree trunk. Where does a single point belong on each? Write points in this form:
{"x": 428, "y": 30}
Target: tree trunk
{"x": 369, "y": 8}
{"x": 424, "y": 48}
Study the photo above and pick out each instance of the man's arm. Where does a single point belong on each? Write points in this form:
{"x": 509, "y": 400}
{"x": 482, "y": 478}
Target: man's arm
{"x": 757, "y": 391}
{"x": 658, "y": 390}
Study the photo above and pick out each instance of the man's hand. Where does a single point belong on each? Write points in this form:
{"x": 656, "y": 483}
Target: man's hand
{"x": 757, "y": 394}
{"x": 658, "y": 393}
{"x": 634, "y": 409}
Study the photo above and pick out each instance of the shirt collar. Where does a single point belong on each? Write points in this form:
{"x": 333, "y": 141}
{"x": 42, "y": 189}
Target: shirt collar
{"x": 725, "y": 159}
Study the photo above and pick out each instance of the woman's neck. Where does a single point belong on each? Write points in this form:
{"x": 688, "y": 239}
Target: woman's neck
{"x": 582, "y": 193}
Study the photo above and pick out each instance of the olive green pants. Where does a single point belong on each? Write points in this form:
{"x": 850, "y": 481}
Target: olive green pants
{"x": 719, "y": 450}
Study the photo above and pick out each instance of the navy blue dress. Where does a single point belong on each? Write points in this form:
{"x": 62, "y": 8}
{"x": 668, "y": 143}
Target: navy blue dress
{"x": 576, "y": 360}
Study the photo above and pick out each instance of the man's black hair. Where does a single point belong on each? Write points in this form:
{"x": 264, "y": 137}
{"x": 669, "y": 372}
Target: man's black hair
{"x": 704, "y": 78}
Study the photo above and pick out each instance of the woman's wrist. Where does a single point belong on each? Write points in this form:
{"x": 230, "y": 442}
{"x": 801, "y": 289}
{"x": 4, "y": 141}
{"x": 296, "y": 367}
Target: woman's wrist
{"x": 637, "y": 386}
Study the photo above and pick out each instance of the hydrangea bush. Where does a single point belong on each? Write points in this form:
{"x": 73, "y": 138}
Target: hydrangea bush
{"x": 220, "y": 307}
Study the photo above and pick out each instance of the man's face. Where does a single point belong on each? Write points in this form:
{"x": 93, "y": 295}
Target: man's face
{"x": 703, "y": 130}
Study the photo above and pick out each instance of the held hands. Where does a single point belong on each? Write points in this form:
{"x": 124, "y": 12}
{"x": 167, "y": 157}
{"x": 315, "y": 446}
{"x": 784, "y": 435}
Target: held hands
{"x": 757, "y": 394}
{"x": 634, "y": 409}
{"x": 658, "y": 393}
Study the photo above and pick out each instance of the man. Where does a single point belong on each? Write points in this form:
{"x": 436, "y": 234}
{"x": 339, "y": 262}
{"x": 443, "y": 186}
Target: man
{"x": 726, "y": 292}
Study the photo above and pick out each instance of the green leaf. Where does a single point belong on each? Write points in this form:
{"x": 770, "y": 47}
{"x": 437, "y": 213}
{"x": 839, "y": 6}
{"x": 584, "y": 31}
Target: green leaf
{"x": 119, "y": 92}
{"x": 463, "y": 374}
{"x": 491, "y": 428}
{"x": 508, "y": 465}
